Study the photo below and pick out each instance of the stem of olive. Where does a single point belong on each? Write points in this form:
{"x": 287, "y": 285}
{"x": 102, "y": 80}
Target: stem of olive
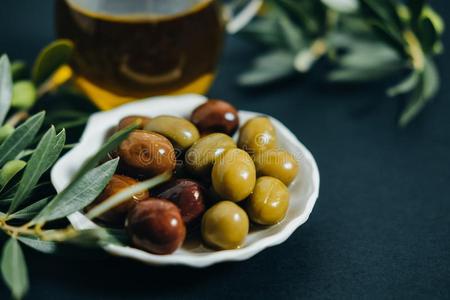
{"x": 61, "y": 76}
{"x": 415, "y": 50}
{"x": 17, "y": 118}
{"x": 306, "y": 58}
{"x": 126, "y": 194}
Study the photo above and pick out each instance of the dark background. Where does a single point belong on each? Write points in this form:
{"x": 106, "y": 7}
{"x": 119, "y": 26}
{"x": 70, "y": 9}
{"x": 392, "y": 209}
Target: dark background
{"x": 380, "y": 228}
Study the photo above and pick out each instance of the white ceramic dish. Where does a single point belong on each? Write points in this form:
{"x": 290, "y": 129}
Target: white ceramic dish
{"x": 304, "y": 191}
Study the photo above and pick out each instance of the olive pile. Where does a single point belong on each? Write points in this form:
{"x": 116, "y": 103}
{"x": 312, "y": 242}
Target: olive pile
{"x": 218, "y": 185}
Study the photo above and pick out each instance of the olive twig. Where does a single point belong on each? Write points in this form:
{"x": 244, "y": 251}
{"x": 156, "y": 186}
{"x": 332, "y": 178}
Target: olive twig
{"x": 15, "y": 231}
{"x": 17, "y": 118}
{"x": 125, "y": 194}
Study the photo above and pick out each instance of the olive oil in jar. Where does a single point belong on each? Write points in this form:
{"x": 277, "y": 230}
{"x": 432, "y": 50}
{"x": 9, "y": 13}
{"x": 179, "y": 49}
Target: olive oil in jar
{"x": 125, "y": 50}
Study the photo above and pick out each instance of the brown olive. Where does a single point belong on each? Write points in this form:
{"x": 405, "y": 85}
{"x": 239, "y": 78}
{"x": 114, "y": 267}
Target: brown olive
{"x": 156, "y": 226}
{"x": 179, "y": 130}
{"x": 234, "y": 175}
{"x": 188, "y": 195}
{"x": 201, "y": 156}
{"x": 127, "y": 121}
{"x": 117, "y": 215}
{"x": 257, "y": 134}
{"x": 225, "y": 226}
{"x": 216, "y": 116}
{"x": 269, "y": 201}
{"x": 276, "y": 163}
{"x": 146, "y": 153}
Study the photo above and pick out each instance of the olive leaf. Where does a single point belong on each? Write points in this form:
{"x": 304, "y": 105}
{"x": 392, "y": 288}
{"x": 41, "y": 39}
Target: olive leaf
{"x": 268, "y": 68}
{"x": 309, "y": 15}
{"x": 9, "y": 170}
{"x": 81, "y": 121}
{"x": 405, "y": 86}
{"x": 386, "y": 12}
{"x": 9, "y": 194}
{"x": 91, "y": 238}
{"x": 30, "y": 211}
{"x": 292, "y": 35}
{"x": 39, "y": 245}
{"x": 5, "y": 201}
{"x": 107, "y": 147}
{"x": 78, "y": 194}
{"x": 431, "y": 79}
{"x": 50, "y": 59}
{"x": 20, "y": 138}
{"x": 14, "y": 269}
{"x": 263, "y": 31}
{"x": 126, "y": 194}
{"x": 383, "y": 38}
{"x": 44, "y": 156}
{"x": 425, "y": 89}
{"x": 414, "y": 105}
{"x": 359, "y": 74}
{"x": 5, "y": 88}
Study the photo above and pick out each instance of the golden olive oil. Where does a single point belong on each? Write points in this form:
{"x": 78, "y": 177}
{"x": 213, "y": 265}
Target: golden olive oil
{"x": 119, "y": 58}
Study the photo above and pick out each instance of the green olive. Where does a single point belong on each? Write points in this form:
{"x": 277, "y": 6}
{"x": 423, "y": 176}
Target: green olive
{"x": 9, "y": 170}
{"x": 225, "y": 226}
{"x": 276, "y": 163}
{"x": 203, "y": 153}
{"x": 269, "y": 202}
{"x": 234, "y": 175}
{"x": 5, "y": 131}
{"x": 180, "y": 131}
{"x": 257, "y": 134}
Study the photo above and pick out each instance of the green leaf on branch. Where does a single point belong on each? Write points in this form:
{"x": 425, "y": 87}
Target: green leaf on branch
{"x": 5, "y": 88}
{"x": 20, "y": 138}
{"x": 423, "y": 93}
{"x": 405, "y": 86}
{"x": 369, "y": 54}
{"x": 14, "y": 269}
{"x": 268, "y": 68}
{"x": 78, "y": 194}
{"x": 127, "y": 193}
{"x": 263, "y": 31}
{"x": 46, "y": 153}
{"x": 290, "y": 32}
{"x": 383, "y": 16}
{"x": 50, "y": 59}
{"x": 108, "y": 146}
{"x": 359, "y": 74}
{"x": 30, "y": 211}
{"x": 92, "y": 238}
{"x": 384, "y": 11}
{"x": 39, "y": 245}
{"x": 431, "y": 79}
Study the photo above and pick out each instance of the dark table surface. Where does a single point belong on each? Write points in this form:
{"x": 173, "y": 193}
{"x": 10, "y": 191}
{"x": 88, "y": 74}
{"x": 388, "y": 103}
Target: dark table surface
{"x": 380, "y": 228}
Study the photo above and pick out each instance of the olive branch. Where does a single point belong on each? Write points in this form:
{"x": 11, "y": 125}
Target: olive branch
{"x": 27, "y": 208}
{"x": 361, "y": 41}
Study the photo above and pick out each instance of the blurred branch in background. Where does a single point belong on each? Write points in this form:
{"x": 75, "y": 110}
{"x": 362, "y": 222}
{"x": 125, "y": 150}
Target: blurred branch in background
{"x": 362, "y": 41}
